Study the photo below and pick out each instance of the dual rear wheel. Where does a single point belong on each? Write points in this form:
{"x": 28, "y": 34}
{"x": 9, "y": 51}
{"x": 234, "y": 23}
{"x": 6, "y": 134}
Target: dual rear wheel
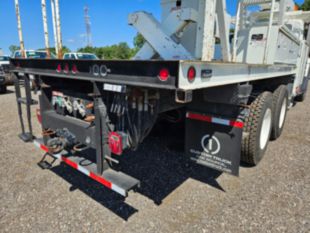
{"x": 265, "y": 122}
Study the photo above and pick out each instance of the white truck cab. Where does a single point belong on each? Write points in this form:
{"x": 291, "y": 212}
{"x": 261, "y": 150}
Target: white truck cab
{"x": 35, "y": 54}
{"x": 80, "y": 56}
{"x": 4, "y": 60}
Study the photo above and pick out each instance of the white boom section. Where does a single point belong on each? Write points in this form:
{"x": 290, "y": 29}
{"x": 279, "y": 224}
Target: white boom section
{"x": 153, "y": 32}
{"x": 159, "y": 38}
{"x": 45, "y": 28}
{"x": 208, "y": 39}
{"x": 54, "y": 25}
{"x": 186, "y": 30}
{"x": 19, "y": 27}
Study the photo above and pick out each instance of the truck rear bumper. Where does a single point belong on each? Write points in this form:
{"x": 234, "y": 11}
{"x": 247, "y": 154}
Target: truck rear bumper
{"x": 111, "y": 179}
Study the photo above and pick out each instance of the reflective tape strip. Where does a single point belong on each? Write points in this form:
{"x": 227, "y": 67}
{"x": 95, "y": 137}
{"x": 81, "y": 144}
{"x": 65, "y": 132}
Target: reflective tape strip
{"x": 118, "y": 190}
{"x": 76, "y": 166}
{"x": 199, "y": 117}
{"x": 215, "y": 120}
{"x": 101, "y": 180}
{"x": 220, "y": 121}
{"x": 69, "y": 162}
{"x": 83, "y": 170}
{"x": 37, "y": 144}
{"x": 45, "y": 149}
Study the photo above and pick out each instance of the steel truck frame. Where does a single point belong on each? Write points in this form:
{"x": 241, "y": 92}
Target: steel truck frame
{"x": 93, "y": 111}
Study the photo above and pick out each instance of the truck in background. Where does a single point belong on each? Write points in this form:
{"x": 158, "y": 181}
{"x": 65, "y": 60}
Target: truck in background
{"x": 5, "y": 76}
{"x": 32, "y": 54}
{"x": 80, "y": 56}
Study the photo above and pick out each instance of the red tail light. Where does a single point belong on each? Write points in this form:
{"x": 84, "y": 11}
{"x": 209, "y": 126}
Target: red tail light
{"x": 191, "y": 74}
{"x": 115, "y": 143}
{"x": 66, "y": 69}
{"x": 39, "y": 117}
{"x": 74, "y": 69}
{"x": 58, "y": 69}
{"x": 164, "y": 75}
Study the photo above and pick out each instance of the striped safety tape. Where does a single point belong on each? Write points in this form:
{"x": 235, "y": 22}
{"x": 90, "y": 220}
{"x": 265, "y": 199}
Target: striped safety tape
{"x": 90, "y": 174}
{"x": 215, "y": 120}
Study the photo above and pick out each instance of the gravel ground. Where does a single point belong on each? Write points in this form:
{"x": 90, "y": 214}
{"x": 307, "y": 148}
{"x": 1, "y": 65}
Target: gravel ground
{"x": 175, "y": 196}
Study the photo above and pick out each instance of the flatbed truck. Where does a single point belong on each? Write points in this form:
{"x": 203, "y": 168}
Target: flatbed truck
{"x": 93, "y": 111}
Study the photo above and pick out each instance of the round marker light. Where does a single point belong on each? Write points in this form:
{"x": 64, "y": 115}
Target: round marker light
{"x": 191, "y": 74}
{"x": 96, "y": 70}
{"x": 164, "y": 75}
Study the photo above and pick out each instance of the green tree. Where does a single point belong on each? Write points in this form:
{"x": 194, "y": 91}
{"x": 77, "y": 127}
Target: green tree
{"x": 13, "y": 48}
{"x": 306, "y": 5}
{"x": 88, "y": 49}
{"x": 117, "y": 51}
{"x": 138, "y": 41}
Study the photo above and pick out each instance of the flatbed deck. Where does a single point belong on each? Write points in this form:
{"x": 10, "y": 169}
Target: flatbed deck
{"x": 145, "y": 73}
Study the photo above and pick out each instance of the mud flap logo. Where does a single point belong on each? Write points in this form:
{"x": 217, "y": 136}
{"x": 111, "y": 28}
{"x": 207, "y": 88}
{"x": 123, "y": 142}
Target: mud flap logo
{"x": 211, "y": 144}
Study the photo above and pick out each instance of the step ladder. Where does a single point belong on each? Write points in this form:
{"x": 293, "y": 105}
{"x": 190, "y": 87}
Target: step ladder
{"x": 26, "y": 136}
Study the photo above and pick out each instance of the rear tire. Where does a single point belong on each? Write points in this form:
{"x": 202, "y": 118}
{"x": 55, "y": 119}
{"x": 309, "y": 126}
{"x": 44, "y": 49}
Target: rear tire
{"x": 257, "y": 129}
{"x": 280, "y": 106}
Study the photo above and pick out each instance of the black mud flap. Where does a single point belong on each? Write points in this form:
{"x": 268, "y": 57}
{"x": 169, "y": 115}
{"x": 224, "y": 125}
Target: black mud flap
{"x": 214, "y": 142}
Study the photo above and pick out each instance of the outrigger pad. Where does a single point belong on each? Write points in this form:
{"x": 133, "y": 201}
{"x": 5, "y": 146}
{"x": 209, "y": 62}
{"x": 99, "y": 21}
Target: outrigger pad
{"x": 26, "y": 137}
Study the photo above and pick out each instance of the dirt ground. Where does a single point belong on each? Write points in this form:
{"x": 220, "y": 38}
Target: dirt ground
{"x": 175, "y": 196}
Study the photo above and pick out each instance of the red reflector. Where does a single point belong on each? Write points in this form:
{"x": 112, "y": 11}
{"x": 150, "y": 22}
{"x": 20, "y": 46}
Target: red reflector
{"x": 115, "y": 143}
{"x": 58, "y": 69}
{"x": 39, "y": 117}
{"x": 66, "y": 69}
{"x": 191, "y": 74}
{"x": 164, "y": 75}
{"x": 74, "y": 69}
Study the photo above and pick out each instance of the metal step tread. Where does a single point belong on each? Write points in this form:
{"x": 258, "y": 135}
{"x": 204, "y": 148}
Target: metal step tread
{"x": 121, "y": 179}
{"x": 115, "y": 177}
